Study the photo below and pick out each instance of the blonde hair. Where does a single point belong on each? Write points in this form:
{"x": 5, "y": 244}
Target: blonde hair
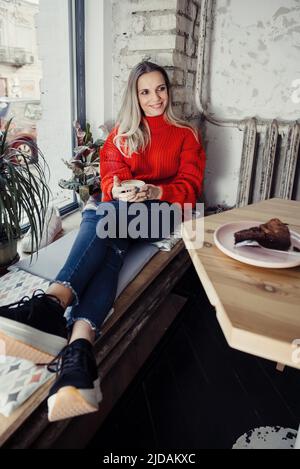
{"x": 133, "y": 133}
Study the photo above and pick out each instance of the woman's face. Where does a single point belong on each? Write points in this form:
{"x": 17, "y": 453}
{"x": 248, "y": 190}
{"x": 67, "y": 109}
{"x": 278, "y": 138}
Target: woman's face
{"x": 152, "y": 93}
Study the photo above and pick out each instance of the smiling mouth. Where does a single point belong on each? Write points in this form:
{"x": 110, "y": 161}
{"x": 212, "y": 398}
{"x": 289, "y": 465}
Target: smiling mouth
{"x": 156, "y": 106}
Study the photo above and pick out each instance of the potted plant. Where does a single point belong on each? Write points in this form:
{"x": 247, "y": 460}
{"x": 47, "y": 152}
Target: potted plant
{"x": 85, "y": 179}
{"x": 24, "y": 197}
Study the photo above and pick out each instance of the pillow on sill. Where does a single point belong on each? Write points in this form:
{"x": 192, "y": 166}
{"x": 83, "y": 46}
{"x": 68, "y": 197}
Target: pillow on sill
{"x": 19, "y": 379}
{"x": 18, "y": 283}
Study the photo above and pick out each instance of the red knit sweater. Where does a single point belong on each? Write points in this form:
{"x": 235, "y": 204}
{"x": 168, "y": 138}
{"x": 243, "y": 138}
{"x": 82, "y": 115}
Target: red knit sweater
{"x": 174, "y": 160}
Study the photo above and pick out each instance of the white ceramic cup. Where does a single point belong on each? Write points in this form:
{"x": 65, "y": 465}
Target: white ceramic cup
{"x": 130, "y": 183}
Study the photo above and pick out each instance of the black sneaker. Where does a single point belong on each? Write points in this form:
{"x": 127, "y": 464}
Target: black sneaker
{"x": 33, "y": 328}
{"x": 77, "y": 388}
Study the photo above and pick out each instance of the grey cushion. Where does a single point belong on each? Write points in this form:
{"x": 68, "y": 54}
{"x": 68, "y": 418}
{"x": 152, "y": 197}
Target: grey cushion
{"x": 51, "y": 259}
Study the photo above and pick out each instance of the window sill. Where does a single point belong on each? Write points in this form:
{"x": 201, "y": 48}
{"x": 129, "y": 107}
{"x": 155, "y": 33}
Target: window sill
{"x": 69, "y": 223}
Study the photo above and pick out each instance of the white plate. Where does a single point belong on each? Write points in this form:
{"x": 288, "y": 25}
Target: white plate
{"x": 224, "y": 240}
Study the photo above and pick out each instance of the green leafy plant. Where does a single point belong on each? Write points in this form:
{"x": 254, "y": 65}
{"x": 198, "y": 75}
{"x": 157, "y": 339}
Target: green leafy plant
{"x": 85, "y": 163}
{"x": 24, "y": 192}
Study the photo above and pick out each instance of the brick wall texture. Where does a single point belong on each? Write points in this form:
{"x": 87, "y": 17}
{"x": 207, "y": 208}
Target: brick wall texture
{"x": 165, "y": 32}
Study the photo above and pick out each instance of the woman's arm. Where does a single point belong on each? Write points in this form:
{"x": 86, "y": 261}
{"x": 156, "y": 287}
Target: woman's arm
{"x": 112, "y": 163}
{"x": 187, "y": 185}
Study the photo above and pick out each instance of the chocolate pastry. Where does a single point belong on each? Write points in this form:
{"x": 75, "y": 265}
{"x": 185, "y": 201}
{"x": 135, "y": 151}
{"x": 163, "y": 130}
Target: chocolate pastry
{"x": 273, "y": 235}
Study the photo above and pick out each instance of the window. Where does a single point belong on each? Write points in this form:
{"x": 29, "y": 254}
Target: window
{"x": 37, "y": 84}
{"x": 54, "y": 129}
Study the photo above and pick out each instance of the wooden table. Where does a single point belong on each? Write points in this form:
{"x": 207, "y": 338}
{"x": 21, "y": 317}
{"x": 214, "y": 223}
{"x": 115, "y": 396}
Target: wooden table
{"x": 257, "y": 308}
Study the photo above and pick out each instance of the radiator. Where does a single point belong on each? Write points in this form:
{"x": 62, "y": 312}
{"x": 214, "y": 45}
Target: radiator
{"x": 269, "y": 162}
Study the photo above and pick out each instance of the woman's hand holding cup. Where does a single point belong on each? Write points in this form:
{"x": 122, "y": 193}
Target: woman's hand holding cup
{"x": 153, "y": 192}
{"x": 135, "y": 191}
{"x": 148, "y": 192}
{"x": 125, "y": 194}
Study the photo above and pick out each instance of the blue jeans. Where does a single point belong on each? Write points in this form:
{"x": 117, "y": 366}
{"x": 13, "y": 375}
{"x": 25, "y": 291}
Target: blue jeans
{"x": 93, "y": 265}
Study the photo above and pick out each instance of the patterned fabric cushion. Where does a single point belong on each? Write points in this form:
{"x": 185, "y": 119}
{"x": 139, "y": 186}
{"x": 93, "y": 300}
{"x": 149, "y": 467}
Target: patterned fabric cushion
{"x": 167, "y": 244}
{"x": 18, "y": 380}
{"x": 18, "y": 283}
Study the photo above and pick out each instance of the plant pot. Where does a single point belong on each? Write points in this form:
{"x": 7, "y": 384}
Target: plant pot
{"x": 8, "y": 252}
{"x": 84, "y": 193}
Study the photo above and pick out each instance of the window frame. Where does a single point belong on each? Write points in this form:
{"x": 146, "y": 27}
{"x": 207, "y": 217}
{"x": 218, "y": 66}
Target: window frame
{"x": 77, "y": 41}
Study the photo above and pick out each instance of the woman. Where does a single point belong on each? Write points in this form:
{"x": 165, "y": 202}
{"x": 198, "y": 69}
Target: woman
{"x": 150, "y": 144}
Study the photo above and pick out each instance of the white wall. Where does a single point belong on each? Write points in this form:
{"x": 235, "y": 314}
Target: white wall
{"x": 255, "y": 60}
{"x": 223, "y": 151}
{"x": 99, "y": 94}
{"x": 256, "y": 57}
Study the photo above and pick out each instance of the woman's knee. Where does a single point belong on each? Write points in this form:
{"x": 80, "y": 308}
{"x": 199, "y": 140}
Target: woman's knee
{"x": 89, "y": 216}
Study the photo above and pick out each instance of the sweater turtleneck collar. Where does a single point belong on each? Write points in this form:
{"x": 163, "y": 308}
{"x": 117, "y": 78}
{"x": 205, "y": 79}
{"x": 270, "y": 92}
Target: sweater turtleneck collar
{"x": 156, "y": 122}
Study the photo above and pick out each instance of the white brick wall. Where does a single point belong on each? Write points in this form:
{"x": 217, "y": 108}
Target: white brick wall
{"x": 138, "y": 24}
{"x": 179, "y": 94}
{"x": 180, "y": 43}
{"x": 164, "y": 58}
{"x": 190, "y": 47}
{"x": 182, "y": 6}
{"x": 193, "y": 10}
{"x": 163, "y": 31}
{"x": 183, "y": 23}
{"x": 153, "y": 5}
{"x": 176, "y": 77}
{"x": 131, "y": 60}
{"x": 165, "y": 22}
{"x": 152, "y": 42}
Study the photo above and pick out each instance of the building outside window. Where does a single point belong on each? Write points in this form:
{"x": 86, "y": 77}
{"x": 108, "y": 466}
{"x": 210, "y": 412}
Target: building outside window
{"x": 36, "y": 82}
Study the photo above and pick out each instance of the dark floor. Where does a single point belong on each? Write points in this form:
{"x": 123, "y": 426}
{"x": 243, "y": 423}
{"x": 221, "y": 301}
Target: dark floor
{"x": 196, "y": 392}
